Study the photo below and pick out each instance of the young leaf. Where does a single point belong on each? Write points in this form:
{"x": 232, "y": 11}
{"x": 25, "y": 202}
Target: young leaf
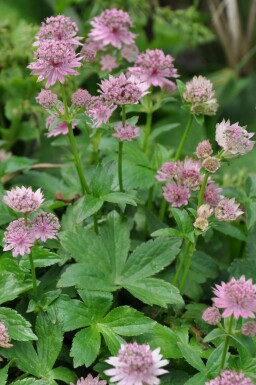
{"x": 18, "y": 327}
{"x": 192, "y": 357}
{"x": 86, "y": 207}
{"x": 85, "y": 346}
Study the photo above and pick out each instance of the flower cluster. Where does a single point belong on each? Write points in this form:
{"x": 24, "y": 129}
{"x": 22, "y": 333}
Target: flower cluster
{"x": 22, "y": 233}
{"x": 99, "y": 110}
{"x": 203, "y": 213}
{"x": 230, "y": 377}
{"x": 55, "y": 55}
{"x": 90, "y": 380}
{"x": 127, "y": 132}
{"x": 212, "y": 315}
{"x": 4, "y": 337}
{"x": 136, "y": 365}
{"x": 56, "y": 126}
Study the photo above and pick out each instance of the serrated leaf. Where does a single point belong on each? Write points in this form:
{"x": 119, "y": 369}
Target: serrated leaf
{"x": 119, "y": 198}
{"x": 183, "y": 220}
{"x": 86, "y": 207}
{"x": 42, "y": 258}
{"x": 214, "y": 361}
{"x": 113, "y": 340}
{"x": 32, "y": 381}
{"x": 230, "y": 230}
{"x": 167, "y": 232}
{"x": 11, "y": 286}
{"x": 97, "y": 302}
{"x": 213, "y": 335}
{"x": 4, "y": 374}
{"x": 197, "y": 379}
{"x": 192, "y": 357}
{"x": 85, "y": 347}
{"x": 18, "y": 327}
{"x": 64, "y": 374}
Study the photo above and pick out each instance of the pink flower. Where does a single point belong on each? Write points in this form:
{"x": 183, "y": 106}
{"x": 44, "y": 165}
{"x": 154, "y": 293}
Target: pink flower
{"x": 234, "y": 139}
{"x": 201, "y": 223}
{"x": 230, "y": 377}
{"x": 123, "y": 90}
{"x": 211, "y": 315}
{"x": 154, "y": 67}
{"x": 127, "y": 132}
{"x": 90, "y": 380}
{"x": 212, "y": 193}
{"x": 112, "y": 27}
{"x": 4, "y": 155}
{"x": 45, "y": 226}
{"x": 89, "y": 51}
{"x": 99, "y": 110}
{"x": 249, "y": 329}
{"x": 189, "y": 174}
{"x": 136, "y": 365}
{"x": 47, "y": 98}
{"x": 80, "y": 98}
{"x": 204, "y": 211}
{"x": 55, "y": 60}
{"x": 130, "y": 52}
{"x": 227, "y": 210}
{"x": 19, "y": 238}
{"x": 23, "y": 199}
{"x": 211, "y": 164}
{"x": 204, "y": 149}
{"x": 108, "y": 63}
{"x": 166, "y": 171}
{"x": 4, "y": 336}
{"x": 175, "y": 194}
{"x": 58, "y": 28}
{"x": 56, "y": 126}
{"x": 237, "y": 297}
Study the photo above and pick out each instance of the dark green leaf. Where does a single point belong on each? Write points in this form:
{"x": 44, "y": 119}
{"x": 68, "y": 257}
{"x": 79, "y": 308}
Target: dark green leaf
{"x": 18, "y": 327}
{"x": 85, "y": 347}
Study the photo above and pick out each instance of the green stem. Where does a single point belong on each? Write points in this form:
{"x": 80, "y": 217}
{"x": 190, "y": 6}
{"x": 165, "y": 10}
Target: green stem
{"x": 33, "y": 274}
{"x": 162, "y": 209}
{"x": 202, "y": 190}
{"x": 147, "y": 131}
{"x": 226, "y": 344}
{"x": 120, "y": 165}
{"x": 150, "y": 197}
{"x": 184, "y": 138}
{"x": 95, "y": 223}
{"x": 181, "y": 263}
{"x": 123, "y": 115}
{"x": 189, "y": 254}
{"x": 84, "y": 185}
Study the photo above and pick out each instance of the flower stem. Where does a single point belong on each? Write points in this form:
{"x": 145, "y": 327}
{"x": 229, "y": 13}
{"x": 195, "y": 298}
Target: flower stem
{"x": 184, "y": 138}
{"x": 202, "y": 190}
{"x": 120, "y": 165}
{"x": 226, "y": 344}
{"x": 148, "y": 121}
{"x": 123, "y": 115}
{"x": 181, "y": 262}
{"x": 189, "y": 254}
{"x": 33, "y": 274}
{"x": 162, "y": 209}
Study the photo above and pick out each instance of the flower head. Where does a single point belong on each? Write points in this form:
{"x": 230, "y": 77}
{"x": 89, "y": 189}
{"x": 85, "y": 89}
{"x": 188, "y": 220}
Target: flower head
{"x": 230, "y": 377}
{"x": 211, "y": 315}
{"x": 90, "y": 380}
{"x": 212, "y": 194}
{"x": 249, "y": 329}
{"x": 201, "y": 223}
{"x": 89, "y": 51}
{"x": 108, "y": 63}
{"x": 211, "y": 164}
{"x": 228, "y": 210}
{"x": 204, "y": 211}
{"x": 166, "y": 171}
{"x": 136, "y": 365}
{"x": 111, "y": 27}
{"x": 4, "y": 155}
{"x": 127, "y": 132}
{"x": 237, "y": 297}
{"x": 233, "y": 139}
{"x": 45, "y": 226}
{"x": 204, "y": 149}
{"x": 19, "y": 238}
{"x": 23, "y": 199}
{"x": 130, "y": 52}
{"x": 4, "y": 337}
{"x": 80, "y": 98}
{"x": 176, "y": 194}
{"x": 47, "y": 98}
{"x": 154, "y": 68}
{"x": 54, "y": 61}
{"x": 99, "y": 110}
{"x": 123, "y": 90}
{"x": 189, "y": 173}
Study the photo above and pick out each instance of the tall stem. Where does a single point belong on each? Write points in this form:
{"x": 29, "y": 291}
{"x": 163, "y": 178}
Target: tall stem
{"x": 84, "y": 185}
{"x": 162, "y": 209}
{"x": 202, "y": 190}
{"x": 181, "y": 263}
{"x": 189, "y": 254}
{"x": 120, "y": 166}
{"x": 147, "y": 131}
{"x": 226, "y": 344}
{"x": 33, "y": 274}
{"x": 184, "y": 138}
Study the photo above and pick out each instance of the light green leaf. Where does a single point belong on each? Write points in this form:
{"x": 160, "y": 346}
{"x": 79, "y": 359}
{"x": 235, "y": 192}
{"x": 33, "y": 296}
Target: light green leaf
{"x": 42, "y": 258}
{"x": 230, "y": 230}
{"x": 4, "y": 374}
{"x": 167, "y": 232}
{"x": 86, "y": 207}
{"x": 18, "y": 327}
{"x": 85, "y": 347}
{"x": 192, "y": 357}
{"x": 197, "y": 379}
{"x": 119, "y": 198}
{"x": 214, "y": 361}
{"x": 113, "y": 340}
{"x": 12, "y": 286}
{"x": 64, "y": 374}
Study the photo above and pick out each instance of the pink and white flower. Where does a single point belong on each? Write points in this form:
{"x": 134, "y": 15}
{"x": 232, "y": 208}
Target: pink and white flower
{"x": 90, "y": 380}
{"x": 176, "y": 194}
{"x": 211, "y": 315}
{"x": 228, "y": 210}
{"x": 127, "y": 132}
{"x": 19, "y": 238}
{"x": 45, "y": 226}
{"x": 108, "y": 63}
{"x": 99, "y": 110}
{"x": 23, "y": 199}
{"x": 230, "y": 377}
{"x": 4, "y": 336}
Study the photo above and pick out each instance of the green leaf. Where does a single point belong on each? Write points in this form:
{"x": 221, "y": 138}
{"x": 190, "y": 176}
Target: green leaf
{"x": 192, "y": 357}
{"x": 119, "y": 198}
{"x": 230, "y": 230}
{"x": 33, "y": 381}
{"x": 183, "y": 220}
{"x": 85, "y": 347}
{"x": 18, "y": 327}
{"x": 181, "y": 87}
{"x": 4, "y": 374}
{"x": 97, "y": 302}
{"x": 11, "y": 286}
{"x": 197, "y": 379}
{"x": 64, "y": 374}
{"x": 49, "y": 344}
{"x": 175, "y": 377}
{"x": 113, "y": 340}
{"x": 154, "y": 291}
{"x": 246, "y": 267}
{"x": 247, "y": 343}
{"x": 102, "y": 180}
{"x": 167, "y": 232}
{"x": 214, "y": 361}
{"x": 213, "y": 335}
{"x": 42, "y": 258}
{"x": 86, "y": 207}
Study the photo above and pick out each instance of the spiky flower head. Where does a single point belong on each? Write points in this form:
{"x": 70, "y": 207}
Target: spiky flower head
{"x": 90, "y": 380}
{"x": 130, "y": 52}
{"x": 189, "y": 174}
{"x": 136, "y": 365}
{"x": 211, "y": 164}
{"x": 4, "y": 336}
{"x": 89, "y": 52}
{"x": 228, "y": 210}
{"x": 233, "y": 139}
{"x": 249, "y": 329}
{"x": 47, "y": 98}
{"x": 127, "y": 132}
{"x": 123, "y": 90}
{"x": 212, "y": 194}
{"x": 45, "y": 226}
{"x": 99, "y": 110}
{"x": 204, "y": 149}
{"x": 211, "y": 315}
{"x": 80, "y": 98}
{"x": 111, "y": 27}
{"x": 230, "y": 377}
{"x": 166, "y": 171}
{"x": 176, "y": 194}
{"x": 154, "y": 68}
{"x": 201, "y": 223}
{"x": 19, "y": 238}
{"x": 108, "y": 63}
{"x": 23, "y": 199}
{"x": 237, "y": 297}
{"x": 204, "y": 211}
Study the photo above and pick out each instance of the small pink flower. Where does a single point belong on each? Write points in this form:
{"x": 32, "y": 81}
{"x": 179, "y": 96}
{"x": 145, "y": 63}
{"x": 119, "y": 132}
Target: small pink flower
{"x": 204, "y": 149}
{"x": 212, "y": 194}
{"x": 54, "y": 61}
{"x": 99, "y": 110}
{"x": 136, "y": 365}
{"x": 211, "y": 164}
{"x": 201, "y": 223}
{"x": 89, "y": 51}
{"x": 4, "y": 336}
{"x": 4, "y": 155}
{"x": 90, "y": 380}
{"x": 249, "y": 329}
{"x": 189, "y": 175}
{"x": 123, "y": 90}
{"x": 47, "y": 98}
{"x": 108, "y": 63}
{"x": 56, "y": 126}
{"x": 45, "y": 226}
{"x": 230, "y": 377}
{"x": 80, "y": 98}
{"x": 111, "y": 27}
{"x": 227, "y": 210}
{"x": 23, "y": 199}
{"x": 211, "y": 315}
{"x": 233, "y": 139}
{"x": 127, "y": 132}
{"x": 237, "y": 297}
{"x": 175, "y": 194}
{"x": 166, "y": 171}
{"x": 130, "y": 52}
{"x": 204, "y": 211}
{"x": 154, "y": 68}
{"x": 19, "y": 238}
